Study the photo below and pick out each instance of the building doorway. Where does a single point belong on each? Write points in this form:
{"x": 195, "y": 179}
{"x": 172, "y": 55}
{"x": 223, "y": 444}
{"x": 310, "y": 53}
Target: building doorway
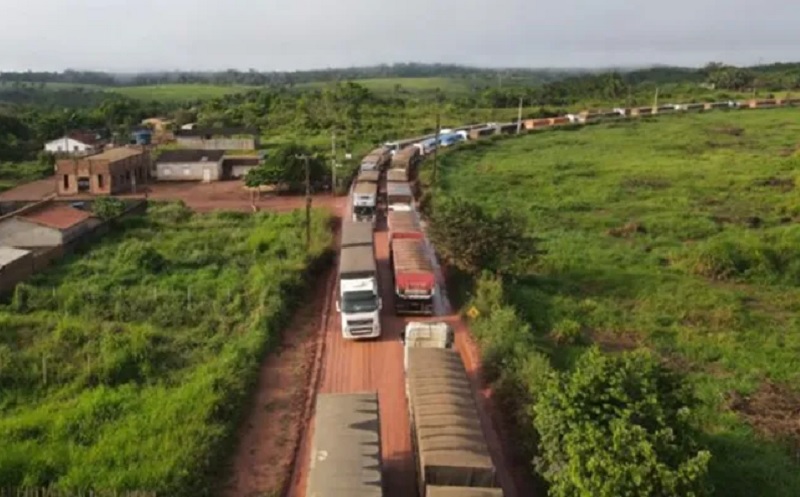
{"x": 83, "y": 184}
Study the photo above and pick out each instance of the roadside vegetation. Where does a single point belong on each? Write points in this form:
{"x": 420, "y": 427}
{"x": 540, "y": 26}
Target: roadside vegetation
{"x": 126, "y": 367}
{"x": 671, "y": 247}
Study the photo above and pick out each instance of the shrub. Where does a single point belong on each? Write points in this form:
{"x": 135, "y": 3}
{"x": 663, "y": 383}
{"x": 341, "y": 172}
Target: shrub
{"x": 619, "y": 425}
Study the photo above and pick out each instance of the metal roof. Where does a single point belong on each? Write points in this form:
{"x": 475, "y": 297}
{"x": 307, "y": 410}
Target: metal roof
{"x": 116, "y": 154}
{"x": 173, "y": 156}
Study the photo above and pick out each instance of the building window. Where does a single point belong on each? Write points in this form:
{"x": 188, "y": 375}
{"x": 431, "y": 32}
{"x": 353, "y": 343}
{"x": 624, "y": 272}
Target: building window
{"x": 100, "y": 181}
{"x": 75, "y": 148}
{"x": 66, "y": 181}
{"x": 59, "y": 148}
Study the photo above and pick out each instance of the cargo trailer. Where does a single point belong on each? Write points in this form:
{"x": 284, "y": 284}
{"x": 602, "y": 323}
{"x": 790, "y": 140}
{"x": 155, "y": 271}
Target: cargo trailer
{"x": 399, "y": 196}
{"x": 365, "y": 202}
{"x": 414, "y": 276}
{"x": 397, "y": 176}
{"x": 407, "y": 158}
{"x": 355, "y": 234}
{"x": 403, "y": 224}
{"x": 437, "y": 491}
{"x": 346, "y": 447}
{"x": 448, "y": 444}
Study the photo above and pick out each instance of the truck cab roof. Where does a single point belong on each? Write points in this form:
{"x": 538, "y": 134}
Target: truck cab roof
{"x": 435, "y": 334}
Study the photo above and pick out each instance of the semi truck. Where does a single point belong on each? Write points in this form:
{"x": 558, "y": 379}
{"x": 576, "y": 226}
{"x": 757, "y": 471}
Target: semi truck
{"x": 346, "y": 447}
{"x": 359, "y": 302}
{"x": 407, "y": 158}
{"x": 413, "y": 275}
{"x": 365, "y": 196}
{"x": 376, "y": 160}
{"x": 399, "y": 197}
{"x": 450, "y": 451}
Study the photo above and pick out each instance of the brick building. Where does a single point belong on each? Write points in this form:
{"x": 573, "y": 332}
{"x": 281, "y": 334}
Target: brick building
{"x": 117, "y": 170}
{"x": 218, "y": 138}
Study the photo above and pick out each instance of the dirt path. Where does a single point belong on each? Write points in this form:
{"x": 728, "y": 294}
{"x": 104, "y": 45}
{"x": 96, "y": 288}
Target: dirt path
{"x": 270, "y": 436}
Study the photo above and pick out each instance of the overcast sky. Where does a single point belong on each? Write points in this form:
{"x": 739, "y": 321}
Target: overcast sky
{"x": 131, "y": 35}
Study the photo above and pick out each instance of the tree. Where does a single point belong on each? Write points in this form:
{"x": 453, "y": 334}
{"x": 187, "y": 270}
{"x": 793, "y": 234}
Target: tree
{"x": 473, "y": 239}
{"x": 619, "y": 425}
{"x": 284, "y": 167}
{"x": 108, "y": 207}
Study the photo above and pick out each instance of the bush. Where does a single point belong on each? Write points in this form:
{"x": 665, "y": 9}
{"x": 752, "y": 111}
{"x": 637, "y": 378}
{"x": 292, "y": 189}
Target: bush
{"x": 108, "y": 207}
{"x": 619, "y": 425}
{"x": 472, "y": 239}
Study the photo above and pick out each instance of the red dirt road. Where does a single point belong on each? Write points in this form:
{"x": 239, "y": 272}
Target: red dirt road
{"x": 356, "y": 366}
{"x": 201, "y": 197}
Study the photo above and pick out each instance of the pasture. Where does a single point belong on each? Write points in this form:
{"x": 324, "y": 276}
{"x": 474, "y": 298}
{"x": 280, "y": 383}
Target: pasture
{"x": 679, "y": 235}
{"x": 126, "y": 367}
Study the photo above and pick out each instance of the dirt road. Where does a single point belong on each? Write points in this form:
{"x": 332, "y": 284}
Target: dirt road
{"x": 355, "y": 366}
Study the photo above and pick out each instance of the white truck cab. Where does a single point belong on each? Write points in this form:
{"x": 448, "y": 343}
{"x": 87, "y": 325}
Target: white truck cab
{"x": 358, "y": 302}
{"x": 434, "y": 334}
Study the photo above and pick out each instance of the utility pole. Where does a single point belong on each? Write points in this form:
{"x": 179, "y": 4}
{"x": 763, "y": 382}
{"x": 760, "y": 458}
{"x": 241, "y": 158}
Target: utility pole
{"x": 333, "y": 166}
{"x": 519, "y": 116}
{"x": 655, "y": 102}
{"x": 436, "y": 148}
{"x": 308, "y": 200}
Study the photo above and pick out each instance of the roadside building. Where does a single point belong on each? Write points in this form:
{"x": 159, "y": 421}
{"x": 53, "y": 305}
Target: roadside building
{"x": 15, "y": 266}
{"x": 218, "y": 139}
{"x": 189, "y": 165}
{"x": 75, "y": 143}
{"x": 237, "y": 167}
{"x": 47, "y": 224}
{"x": 118, "y": 170}
{"x": 158, "y": 124}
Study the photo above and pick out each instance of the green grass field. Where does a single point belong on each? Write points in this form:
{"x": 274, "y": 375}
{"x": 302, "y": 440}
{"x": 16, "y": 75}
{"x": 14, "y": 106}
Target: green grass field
{"x": 178, "y": 92}
{"x": 17, "y": 173}
{"x": 679, "y": 235}
{"x": 126, "y": 367}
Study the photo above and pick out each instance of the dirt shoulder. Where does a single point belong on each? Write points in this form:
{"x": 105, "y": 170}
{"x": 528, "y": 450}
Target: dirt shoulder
{"x": 270, "y": 435}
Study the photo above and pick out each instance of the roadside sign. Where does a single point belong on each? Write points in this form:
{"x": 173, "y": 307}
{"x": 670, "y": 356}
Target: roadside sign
{"x": 348, "y": 156}
{"x": 473, "y": 312}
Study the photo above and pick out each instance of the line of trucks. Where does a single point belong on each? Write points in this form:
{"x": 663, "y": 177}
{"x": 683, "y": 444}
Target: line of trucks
{"x": 410, "y": 255}
{"x": 449, "y": 448}
{"x": 450, "y": 452}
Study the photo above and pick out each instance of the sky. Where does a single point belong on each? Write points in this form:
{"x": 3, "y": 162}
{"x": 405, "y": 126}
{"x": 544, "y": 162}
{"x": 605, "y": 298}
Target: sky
{"x": 285, "y": 35}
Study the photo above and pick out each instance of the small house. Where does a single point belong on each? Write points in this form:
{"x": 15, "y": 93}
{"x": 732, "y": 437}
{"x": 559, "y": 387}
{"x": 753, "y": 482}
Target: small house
{"x": 46, "y": 224}
{"x": 190, "y": 165}
{"x": 75, "y": 143}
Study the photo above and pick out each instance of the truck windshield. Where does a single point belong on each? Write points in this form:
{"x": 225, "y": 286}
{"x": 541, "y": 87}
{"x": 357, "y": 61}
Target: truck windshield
{"x": 359, "y": 302}
{"x": 363, "y": 210}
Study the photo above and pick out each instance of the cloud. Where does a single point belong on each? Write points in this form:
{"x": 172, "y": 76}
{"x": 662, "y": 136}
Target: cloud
{"x": 121, "y": 35}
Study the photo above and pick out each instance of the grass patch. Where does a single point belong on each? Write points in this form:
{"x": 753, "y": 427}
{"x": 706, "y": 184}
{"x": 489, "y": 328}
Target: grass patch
{"x": 178, "y": 92}
{"x": 125, "y": 367}
{"x": 679, "y": 236}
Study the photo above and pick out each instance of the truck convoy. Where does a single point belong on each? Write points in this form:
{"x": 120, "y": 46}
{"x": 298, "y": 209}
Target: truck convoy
{"x": 346, "y": 447}
{"x": 450, "y": 452}
{"x": 365, "y": 197}
{"x": 359, "y": 302}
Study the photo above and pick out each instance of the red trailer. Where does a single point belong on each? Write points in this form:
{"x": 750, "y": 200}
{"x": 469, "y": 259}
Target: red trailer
{"x": 403, "y": 224}
{"x": 414, "y": 278}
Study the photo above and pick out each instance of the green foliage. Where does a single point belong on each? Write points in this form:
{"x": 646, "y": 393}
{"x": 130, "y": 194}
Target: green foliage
{"x": 126, "y": 367}
{"x": 619, "y": 425}
{"x": 108, "y": 207}
{"x": 637, "y": 222}
{"x": 285, "y": 166}
{"x": 472, "y": 239}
